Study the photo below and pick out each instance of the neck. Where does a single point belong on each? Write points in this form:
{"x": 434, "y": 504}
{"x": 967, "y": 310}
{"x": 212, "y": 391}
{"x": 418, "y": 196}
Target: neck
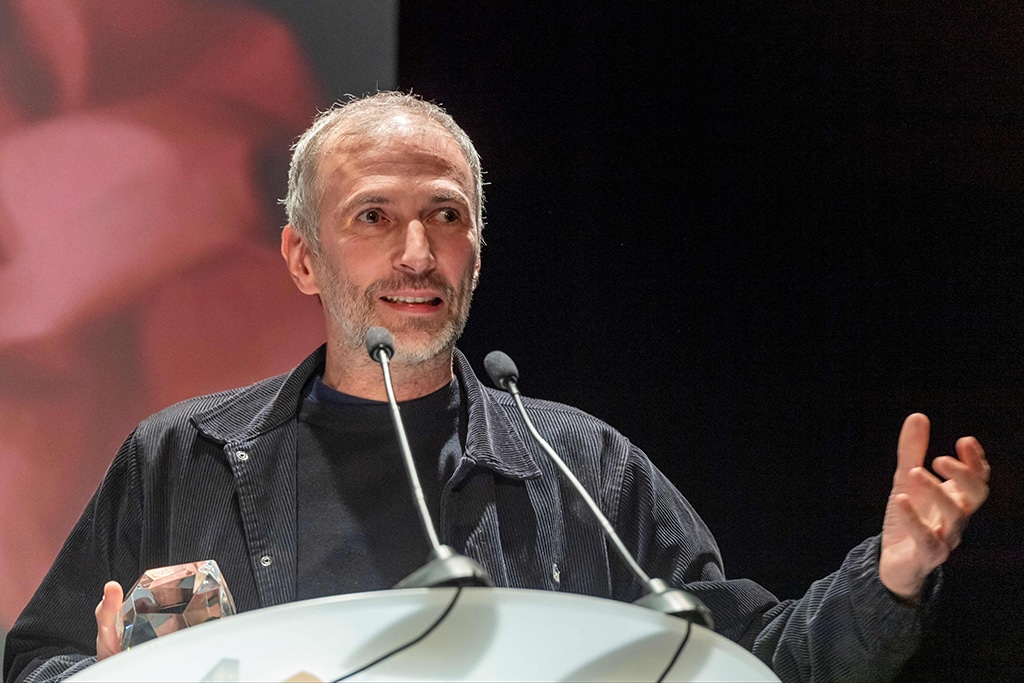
{"x": 353, "y": 372}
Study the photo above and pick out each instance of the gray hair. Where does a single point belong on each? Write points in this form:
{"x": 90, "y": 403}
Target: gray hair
{"x": 366, "y": 116}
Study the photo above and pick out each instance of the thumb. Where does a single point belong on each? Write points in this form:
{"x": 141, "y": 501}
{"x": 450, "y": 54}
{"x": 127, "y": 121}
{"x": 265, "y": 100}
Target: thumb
{"x": 108, "y": 640}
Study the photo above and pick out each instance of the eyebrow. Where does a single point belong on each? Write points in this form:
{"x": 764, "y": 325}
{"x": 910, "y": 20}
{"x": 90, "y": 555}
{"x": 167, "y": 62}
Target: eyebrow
{"x": 361, "y": 200}
{"x": 445, "y": 196}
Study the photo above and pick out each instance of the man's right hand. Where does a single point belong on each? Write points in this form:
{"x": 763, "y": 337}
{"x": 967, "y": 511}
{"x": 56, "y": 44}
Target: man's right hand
{"x": 107, "y": 640}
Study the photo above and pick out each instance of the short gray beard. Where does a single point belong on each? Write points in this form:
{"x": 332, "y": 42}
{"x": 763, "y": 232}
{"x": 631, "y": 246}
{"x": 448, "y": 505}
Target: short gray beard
{"x": 353, "y": 311}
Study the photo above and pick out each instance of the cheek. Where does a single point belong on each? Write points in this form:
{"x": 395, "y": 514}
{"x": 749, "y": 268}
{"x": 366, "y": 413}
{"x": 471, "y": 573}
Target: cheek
{"x": 358, "y": 266}
{"x": 459, "y": 257}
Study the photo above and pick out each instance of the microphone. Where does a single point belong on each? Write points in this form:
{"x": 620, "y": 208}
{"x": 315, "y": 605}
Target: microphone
{"x": 379, "y": 340}
{"x": 658, "y": 596}
{"x": 444, "y": 566}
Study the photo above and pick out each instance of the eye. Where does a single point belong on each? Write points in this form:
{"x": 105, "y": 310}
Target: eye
{"x": 369, "y": 216}
{"x": 447, "y": 215}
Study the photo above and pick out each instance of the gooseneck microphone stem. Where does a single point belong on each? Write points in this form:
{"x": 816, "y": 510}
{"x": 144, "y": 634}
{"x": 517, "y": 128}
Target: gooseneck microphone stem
{"x": 410, "y": 465}
{"x": 445, "y": 567}
{"x": 609, "y": 531}
{"x": 658, "y": 595}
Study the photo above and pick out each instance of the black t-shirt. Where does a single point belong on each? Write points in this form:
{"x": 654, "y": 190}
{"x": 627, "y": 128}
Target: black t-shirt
{"x": 358, "y": 529}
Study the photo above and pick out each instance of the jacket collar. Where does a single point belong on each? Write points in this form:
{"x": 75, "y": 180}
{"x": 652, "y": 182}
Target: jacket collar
{"x": 492, "y": 441}
{"x": 257, "y": 409}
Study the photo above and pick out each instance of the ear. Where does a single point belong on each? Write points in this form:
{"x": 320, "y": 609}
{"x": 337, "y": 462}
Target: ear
{"x": 299, "y": 258}
{"x": 476, "y": 272}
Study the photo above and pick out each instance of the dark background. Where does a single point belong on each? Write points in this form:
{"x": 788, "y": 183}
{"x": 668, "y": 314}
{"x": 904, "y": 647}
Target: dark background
{"x": 754, "y": 240}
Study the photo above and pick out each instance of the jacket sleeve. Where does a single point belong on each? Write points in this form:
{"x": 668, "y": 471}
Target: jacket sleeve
{"x": 55, "y": 636}
{"x": 847, "y": 626}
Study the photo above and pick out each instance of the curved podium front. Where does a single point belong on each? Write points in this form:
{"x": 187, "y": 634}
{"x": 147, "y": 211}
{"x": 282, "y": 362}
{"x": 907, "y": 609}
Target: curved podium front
{"x": 487, "y": 634}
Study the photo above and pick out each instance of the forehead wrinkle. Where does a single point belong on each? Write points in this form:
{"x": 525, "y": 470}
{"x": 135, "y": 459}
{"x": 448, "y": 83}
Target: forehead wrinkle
{"x": 431, "y": 141}
{"x": 429, "y": 136}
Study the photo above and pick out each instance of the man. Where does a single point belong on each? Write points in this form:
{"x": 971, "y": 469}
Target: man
{"x": 291, "y": 483}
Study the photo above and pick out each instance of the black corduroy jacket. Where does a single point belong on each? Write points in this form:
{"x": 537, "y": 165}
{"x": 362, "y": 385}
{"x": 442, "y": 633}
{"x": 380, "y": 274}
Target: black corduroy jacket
{"x": 214, "y": 478}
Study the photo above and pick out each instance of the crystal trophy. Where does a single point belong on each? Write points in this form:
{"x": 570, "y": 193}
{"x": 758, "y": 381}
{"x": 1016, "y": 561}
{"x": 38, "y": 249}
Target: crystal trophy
{"x": 169, "y": 599}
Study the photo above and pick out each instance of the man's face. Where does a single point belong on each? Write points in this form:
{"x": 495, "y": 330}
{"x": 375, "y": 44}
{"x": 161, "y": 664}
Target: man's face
{"x": 399, "y": 244}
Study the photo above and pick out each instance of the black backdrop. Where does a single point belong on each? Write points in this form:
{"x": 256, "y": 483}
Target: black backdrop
{"x": 754, "y": 240}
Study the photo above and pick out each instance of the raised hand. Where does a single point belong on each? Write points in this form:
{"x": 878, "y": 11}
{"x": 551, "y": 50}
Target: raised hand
{"x": 926, "y": 515}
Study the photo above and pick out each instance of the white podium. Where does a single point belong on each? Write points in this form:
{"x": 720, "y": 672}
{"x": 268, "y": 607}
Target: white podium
{"x": 489, "y": 634}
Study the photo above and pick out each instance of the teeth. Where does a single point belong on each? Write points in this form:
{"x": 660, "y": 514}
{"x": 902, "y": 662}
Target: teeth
{"x": 409, "y": 299}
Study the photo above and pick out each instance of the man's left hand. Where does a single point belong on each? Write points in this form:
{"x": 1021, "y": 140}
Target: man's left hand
{"x": 925, "y": 516}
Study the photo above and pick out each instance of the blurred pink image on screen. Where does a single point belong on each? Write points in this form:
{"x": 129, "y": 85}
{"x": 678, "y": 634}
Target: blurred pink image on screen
{"x": 142, "y": 146}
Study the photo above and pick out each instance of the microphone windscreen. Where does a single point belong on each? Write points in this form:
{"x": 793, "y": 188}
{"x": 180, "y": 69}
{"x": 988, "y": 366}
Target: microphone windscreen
{"x": 501, "y": 369}
{"x": 379, "y": 339}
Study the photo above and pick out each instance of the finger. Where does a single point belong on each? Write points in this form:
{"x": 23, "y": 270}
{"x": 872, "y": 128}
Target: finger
{"x": 107, "y": 609}
{"x": 972, "y": 485}
{"x": 932, "y": 550}
{"x": 972, "y": 454}
{"x": 913, "y": 444}
{"x": 945, "y": 515}
{"x": 108, "y": 641}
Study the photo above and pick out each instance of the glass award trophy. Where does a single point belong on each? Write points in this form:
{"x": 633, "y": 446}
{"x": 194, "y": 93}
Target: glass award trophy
{"x": 168, "y": 599}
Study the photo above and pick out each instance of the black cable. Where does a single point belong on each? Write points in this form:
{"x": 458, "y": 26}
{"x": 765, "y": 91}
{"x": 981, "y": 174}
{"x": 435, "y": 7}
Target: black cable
{"x": 679, "y": 651}
{"x": 412, "y": 642}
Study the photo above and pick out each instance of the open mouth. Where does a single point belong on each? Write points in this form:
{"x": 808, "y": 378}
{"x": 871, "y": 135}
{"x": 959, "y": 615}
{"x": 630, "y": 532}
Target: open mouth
{"x": 413, "y": 300}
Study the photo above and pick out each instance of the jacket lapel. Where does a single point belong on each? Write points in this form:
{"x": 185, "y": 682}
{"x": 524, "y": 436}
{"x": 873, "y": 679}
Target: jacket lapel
{"x": 257, "y": 431}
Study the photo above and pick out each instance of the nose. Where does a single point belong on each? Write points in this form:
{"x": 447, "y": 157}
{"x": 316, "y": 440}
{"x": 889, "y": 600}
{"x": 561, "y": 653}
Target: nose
{"x": 417, "y": 256}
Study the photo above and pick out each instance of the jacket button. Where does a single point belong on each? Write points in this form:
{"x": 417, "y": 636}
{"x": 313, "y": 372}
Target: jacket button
{"x": 242, "y": 455}
{"x": 266, "y": 560}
